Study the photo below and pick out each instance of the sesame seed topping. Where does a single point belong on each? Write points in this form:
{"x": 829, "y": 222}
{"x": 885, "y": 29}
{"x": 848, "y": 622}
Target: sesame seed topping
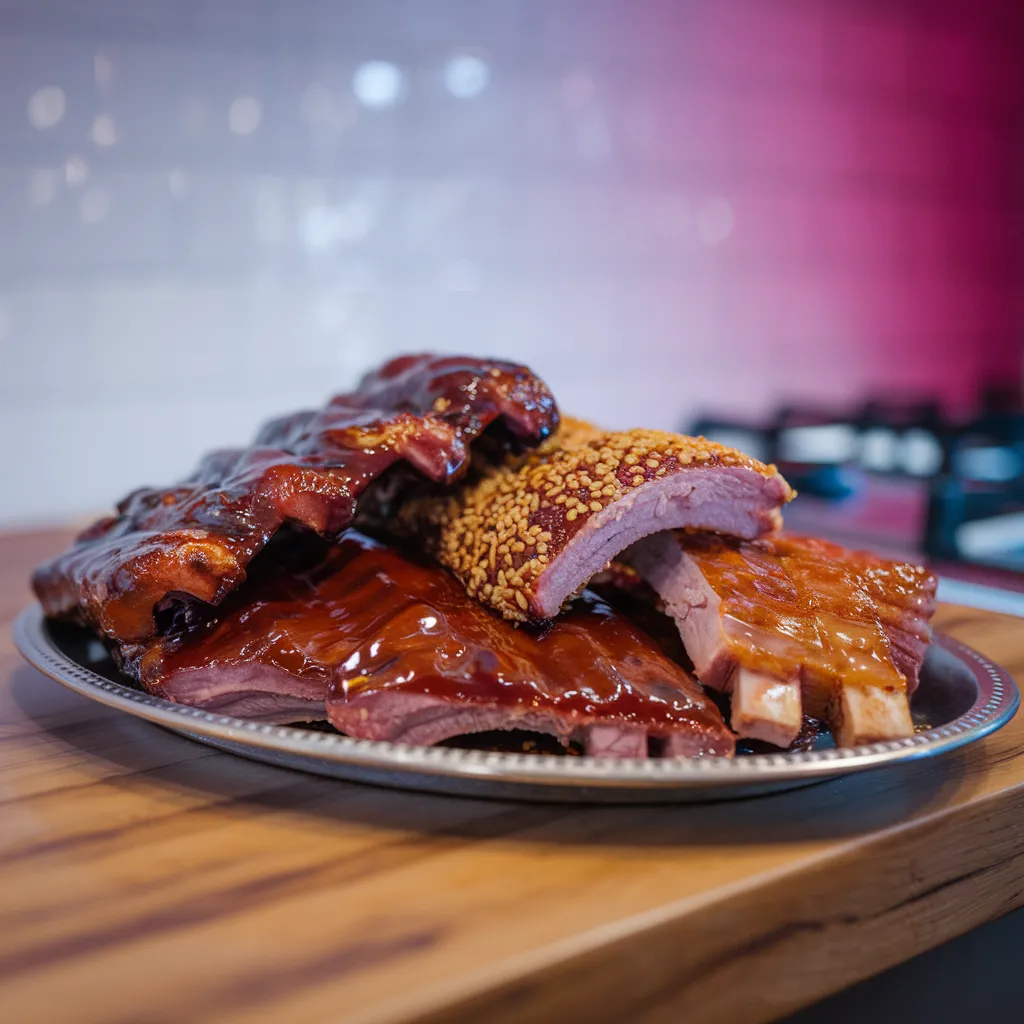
{"x": 497, "y": 533}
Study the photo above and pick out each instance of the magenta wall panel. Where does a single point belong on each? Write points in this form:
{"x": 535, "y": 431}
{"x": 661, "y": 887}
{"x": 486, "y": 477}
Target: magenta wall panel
{"x": 212, "y": 211}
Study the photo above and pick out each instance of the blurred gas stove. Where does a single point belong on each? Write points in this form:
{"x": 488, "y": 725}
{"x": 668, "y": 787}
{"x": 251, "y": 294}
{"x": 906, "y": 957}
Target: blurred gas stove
{"x": 898, "y": 477}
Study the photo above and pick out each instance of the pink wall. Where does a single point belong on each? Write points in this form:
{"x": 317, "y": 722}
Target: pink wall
{"x": 872, "y": 159}
{"x": 665, "y": 206}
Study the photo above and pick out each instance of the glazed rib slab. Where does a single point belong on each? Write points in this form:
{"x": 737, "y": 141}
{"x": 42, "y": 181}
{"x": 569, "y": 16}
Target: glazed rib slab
{"x": 146, "y": 569}
{"x": 794, "y": 625}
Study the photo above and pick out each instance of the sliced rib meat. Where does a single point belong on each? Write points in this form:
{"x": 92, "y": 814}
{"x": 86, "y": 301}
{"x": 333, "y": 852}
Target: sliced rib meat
{"x": 792, "y": 624}
{"x": 524, "y": 537}
{"x": 400, "y": 652}
{"x": 194, "y": 541}
{"x": 252, "y": 690}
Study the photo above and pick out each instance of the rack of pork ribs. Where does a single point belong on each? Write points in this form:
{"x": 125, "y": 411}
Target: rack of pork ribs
{"x": 435, "y": 556}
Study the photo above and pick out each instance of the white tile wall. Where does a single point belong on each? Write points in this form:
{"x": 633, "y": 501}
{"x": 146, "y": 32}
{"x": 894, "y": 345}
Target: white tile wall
{"x": 205, "y": 226}
{"x": 165, "y": 283}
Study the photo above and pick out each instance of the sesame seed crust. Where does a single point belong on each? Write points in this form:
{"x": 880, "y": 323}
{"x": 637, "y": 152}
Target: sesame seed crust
{"x": 499, "y": 533}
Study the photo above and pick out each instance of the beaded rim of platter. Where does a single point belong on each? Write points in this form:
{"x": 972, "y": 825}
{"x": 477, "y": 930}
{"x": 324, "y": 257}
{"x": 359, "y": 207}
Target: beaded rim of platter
{"x": 995, "y": 702}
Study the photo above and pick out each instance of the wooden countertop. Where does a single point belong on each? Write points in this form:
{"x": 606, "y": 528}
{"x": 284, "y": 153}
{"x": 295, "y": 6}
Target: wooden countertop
{"x": 148, "y": 878}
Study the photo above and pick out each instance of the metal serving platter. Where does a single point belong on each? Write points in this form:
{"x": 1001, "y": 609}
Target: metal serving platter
{"x": 962, "y": 697}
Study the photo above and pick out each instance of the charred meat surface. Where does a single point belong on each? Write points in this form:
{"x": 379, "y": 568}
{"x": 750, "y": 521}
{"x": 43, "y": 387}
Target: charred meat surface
{"x": 397, "y": 651}
{"x": 525, "y": 536}
{"x": 195, "y": 540}
{"x": 793, "y": 625}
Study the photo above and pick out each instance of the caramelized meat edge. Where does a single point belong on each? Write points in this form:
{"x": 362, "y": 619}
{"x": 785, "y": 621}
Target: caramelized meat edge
{"x": 390, "y": 647}
{"x": 194, "y": 541}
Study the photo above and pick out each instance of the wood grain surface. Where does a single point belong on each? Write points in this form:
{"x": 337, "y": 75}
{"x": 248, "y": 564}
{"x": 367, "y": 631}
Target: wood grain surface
{"x": 146, "y": 878}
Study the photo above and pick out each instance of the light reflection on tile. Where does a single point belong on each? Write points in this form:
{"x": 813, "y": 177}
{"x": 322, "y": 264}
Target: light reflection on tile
{"x": 205, "y": 218}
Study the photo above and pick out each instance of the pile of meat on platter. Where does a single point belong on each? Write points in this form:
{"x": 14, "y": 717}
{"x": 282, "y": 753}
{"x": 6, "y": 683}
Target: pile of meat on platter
{"x": 438, "y": 555}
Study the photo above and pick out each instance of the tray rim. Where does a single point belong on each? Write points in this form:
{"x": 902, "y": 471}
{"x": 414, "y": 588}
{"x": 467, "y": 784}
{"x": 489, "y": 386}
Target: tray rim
{"x": 997, "y": 701}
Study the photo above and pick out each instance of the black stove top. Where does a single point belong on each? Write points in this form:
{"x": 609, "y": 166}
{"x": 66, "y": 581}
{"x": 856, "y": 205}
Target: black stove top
{"x": 899, "y": 477}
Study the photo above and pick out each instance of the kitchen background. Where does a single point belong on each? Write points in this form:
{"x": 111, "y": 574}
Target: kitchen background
{"x": 215, "y": 210}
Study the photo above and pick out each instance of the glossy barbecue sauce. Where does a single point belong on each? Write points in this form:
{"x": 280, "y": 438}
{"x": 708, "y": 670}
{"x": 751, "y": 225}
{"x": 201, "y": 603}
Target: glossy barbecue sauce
{"x": 371, "y": 617}
{"x": 198, "y": 537}
{"x": 798, "y": 607}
